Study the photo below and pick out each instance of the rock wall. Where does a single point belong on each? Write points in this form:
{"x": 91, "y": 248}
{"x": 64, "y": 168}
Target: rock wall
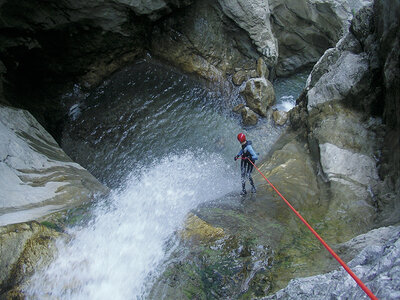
{"x": 216, "y": 39}
{"x": 198, "y": 39}
{"x": 37, "y": 177}
{"x": 61, "y": 43}
{"x": 387, "y": 33}
{"x": 348, "y": 98}
{"x": 305, "y": 29}
{"x": 228, "y": 35}
{"x": 254, "y": 17}
{"x": 349, "y": 113}
{"x": 25, "y": 248}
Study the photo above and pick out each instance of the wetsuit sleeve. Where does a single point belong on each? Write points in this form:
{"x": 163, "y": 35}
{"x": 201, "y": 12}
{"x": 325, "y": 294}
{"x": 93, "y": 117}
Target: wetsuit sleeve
{"x": 254, "y": 155}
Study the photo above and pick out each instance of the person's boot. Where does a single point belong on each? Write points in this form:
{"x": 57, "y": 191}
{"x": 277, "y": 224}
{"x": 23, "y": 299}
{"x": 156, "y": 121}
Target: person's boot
{"x": 253, "y": 188}
{"x": 243, "y": 192}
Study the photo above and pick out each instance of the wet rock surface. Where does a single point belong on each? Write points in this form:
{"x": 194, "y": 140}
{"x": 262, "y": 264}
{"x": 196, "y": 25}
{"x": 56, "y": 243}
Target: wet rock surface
{"x": 259, "y": 95}
{"x": 202, "y": 40}
{"x": 340, "y": 106}
{"x": 40, "y": 177}
{"x": 377, "y": 265}
{"x": 280, "y": 117}
{"x": 24, "y": 248}
{"x": 249, "y": 117}
{"x": 305, "y": 29}
{"x": 261, "y": 244}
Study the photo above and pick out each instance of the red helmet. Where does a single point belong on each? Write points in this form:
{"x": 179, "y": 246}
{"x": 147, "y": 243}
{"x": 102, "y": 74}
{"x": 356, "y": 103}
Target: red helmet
{"x": 241, "y": 137}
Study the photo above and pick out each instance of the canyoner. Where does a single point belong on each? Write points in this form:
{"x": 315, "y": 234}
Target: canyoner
{"x": 247, "y": 155}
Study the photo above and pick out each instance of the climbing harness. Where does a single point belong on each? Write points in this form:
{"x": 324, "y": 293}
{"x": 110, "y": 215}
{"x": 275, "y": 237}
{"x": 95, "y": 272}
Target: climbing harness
{"x": 344, "y": 265}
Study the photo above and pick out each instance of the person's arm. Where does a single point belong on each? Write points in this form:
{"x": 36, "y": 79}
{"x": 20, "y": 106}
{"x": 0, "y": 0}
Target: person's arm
{"x": 237, "y": 156}
{"x": 253, "y": 154}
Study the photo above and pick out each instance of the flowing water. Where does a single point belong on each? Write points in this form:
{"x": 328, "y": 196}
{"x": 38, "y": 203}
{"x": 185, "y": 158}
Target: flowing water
{"x": 287, "y": 90}
{"x": 164, "y": 143}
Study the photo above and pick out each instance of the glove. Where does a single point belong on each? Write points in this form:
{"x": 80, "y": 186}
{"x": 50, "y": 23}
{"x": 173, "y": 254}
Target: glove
{"x": 236, "y": 157}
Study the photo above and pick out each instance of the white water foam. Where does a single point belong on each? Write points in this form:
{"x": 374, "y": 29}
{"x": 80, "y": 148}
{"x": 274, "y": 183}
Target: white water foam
{"x": 286, "y": 103}
{"x": 119, "y": 253}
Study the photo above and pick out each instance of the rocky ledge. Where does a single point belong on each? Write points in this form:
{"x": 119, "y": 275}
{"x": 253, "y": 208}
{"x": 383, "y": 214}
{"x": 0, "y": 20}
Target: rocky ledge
{"x": 38, "y": 182}
{"x": 377, "y": 262}
{"x": 39, "y": 178}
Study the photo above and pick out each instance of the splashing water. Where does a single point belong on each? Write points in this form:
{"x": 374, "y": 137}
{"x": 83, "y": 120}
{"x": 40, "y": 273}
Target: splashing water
{"x": 164, "y": 144}
{"x": 287, "y": 90}
{"x": 116, "y": 255}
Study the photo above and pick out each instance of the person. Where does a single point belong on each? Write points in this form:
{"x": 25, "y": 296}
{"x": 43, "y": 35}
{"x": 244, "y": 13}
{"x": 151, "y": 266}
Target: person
{"x": 247, "y": 152}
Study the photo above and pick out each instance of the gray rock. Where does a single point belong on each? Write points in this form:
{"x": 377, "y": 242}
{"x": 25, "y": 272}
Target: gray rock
{"x": 249, "y": 117}
{"x": 349, "y": 43}
{"x": 330, "y": 57}
{"x": 377, "y": 265}
{"x": 362, "y": 25}
{"x": 345, "y": 77}
{"x": 24, "y": 249}
{"x": 3, "y": 70}
{"x": 346, "y": 147}
{"x": 238, "y": 108}
{"x": 356, "y": 5}
{"x": 347, "y": 167}
{"x": 322, "y": 66}
{"x": 37, "y": 176}
{"x": 243, "y": 75}
{"x": 253, "y": 17}
{"x": 204, "y": 41}
{"x": 337, "y": 124}
{"x": 259, "y": 95}
{"x": 262, "y": 70}
{"x": 350, "y": 249}
{"x": 280, "y": 117}
{"x": 387, "y": 31}
{"x": 305, "y": 29}
{"x": 154, "y": 9}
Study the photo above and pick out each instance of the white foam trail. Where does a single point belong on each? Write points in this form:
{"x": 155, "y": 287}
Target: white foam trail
{"x": 117, "y": 254}
{"x": 286, "y": 103}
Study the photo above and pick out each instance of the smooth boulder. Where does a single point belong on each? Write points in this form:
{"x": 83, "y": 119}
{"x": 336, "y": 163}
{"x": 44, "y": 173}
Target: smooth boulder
{"x": 37, "y": 176}
{"x": 259, "y": 95}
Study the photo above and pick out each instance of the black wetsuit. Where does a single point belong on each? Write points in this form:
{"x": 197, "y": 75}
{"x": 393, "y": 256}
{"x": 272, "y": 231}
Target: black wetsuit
{"x": 246, "y": 167}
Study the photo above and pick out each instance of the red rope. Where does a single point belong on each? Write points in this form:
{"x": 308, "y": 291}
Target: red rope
{"x": 359, "y": 282}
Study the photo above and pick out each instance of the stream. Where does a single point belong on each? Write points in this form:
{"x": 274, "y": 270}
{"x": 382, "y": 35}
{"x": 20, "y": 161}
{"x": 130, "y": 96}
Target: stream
{"x": 164, "y": 144}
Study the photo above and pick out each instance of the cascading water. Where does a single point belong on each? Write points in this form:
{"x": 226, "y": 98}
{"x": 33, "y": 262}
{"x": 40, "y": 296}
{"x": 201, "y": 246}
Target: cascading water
{"x": 115, "y": 256}
{"x": 164, "y": 144}
{"x": 287, "y": 90}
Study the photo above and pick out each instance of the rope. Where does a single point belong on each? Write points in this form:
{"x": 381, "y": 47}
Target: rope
{"x": 344, "y": 265}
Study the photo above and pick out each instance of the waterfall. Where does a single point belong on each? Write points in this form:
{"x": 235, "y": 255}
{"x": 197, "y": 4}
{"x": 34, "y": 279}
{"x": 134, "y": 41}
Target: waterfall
{"x": 164, "y": 144}
{"x": 122, "y": 249}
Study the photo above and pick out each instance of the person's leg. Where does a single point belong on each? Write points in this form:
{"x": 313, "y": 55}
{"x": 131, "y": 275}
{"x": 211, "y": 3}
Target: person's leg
{"x": 249, "y": 170}
{"x": 243, "y": 176}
